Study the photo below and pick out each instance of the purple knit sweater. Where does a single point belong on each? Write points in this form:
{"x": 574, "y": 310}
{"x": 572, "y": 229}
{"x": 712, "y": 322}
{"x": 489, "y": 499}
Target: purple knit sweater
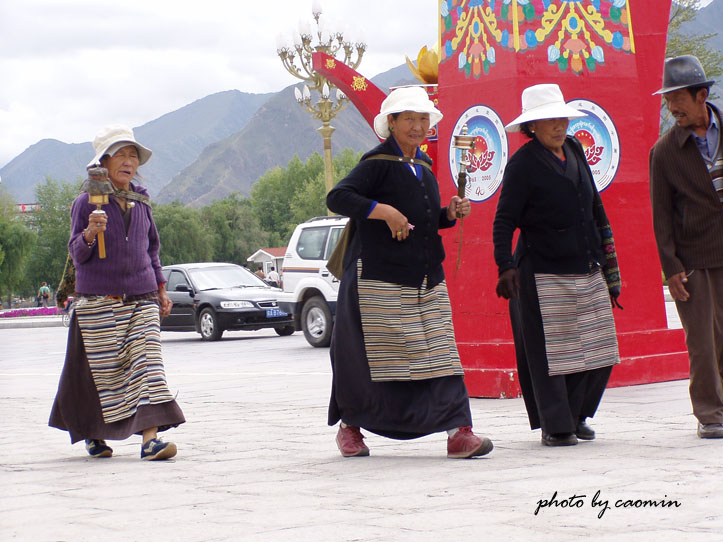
{"x": 131, "y": 265}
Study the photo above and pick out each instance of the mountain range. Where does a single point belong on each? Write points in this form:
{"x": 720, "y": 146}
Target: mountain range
{"x": 208, "y": 149}
{"x": 224, "y": 142}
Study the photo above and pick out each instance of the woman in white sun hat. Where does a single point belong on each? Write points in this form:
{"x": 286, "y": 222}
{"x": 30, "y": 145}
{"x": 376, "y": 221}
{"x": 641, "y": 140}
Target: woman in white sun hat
{"x": 396, "y": 371}
{"x": 113, "y": 383}
{"x": 560, "y": 299}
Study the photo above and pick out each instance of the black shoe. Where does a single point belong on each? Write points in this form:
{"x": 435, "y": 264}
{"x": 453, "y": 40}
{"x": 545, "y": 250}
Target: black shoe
{"x": 584, "y": 431}
{"x": 710, "y": 430}
{"x": 559, "y": 439}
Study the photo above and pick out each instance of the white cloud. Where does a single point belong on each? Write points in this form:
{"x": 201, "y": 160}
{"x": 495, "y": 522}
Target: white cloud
{"x": 70, "y": 67}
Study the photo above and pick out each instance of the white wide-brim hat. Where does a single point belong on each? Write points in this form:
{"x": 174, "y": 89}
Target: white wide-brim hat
{"x": 543, "y": 102}
{"x": 111, "y": 139}
{"x": 405, "y": 99}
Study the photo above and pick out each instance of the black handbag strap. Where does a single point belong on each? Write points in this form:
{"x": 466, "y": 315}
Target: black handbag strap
{"x": 393, "y": 158}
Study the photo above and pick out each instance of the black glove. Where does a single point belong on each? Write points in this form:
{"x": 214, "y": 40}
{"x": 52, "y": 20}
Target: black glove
{"x": 508, "y": 284}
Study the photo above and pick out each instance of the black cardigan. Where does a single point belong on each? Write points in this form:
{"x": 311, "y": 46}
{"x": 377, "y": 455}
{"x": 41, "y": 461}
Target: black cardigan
{"x": 383, "y": 257}
{"x": 554, "y": 214}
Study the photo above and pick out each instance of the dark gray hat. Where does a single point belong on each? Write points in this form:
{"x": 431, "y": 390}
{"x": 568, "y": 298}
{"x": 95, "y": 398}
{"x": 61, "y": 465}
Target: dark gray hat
{"x": 683, "y": 72}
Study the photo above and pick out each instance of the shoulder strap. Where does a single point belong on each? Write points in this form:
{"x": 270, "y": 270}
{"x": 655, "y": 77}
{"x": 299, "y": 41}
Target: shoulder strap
{"x": 393, "y": 158}
{"x": 130, "y": 195}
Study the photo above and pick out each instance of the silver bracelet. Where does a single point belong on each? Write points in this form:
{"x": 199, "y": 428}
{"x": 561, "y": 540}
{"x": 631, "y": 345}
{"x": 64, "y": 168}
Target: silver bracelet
{"x": 92, "y": 243}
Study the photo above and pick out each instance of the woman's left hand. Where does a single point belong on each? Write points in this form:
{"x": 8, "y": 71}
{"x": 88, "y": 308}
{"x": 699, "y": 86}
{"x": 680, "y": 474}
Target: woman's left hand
{"x": 166, "y": 303}
{"x": 458, "y": 205}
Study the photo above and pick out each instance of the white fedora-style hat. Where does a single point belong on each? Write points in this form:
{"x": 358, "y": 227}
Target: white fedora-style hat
{"x": 543, "y": 102}
{"x": 405, "y": 99}
{"x": 114, "y": 137}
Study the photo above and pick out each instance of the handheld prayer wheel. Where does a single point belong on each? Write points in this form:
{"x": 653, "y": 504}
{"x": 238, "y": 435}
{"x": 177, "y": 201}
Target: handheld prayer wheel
{"x": 98, "y": 186}
{"x": 464, "y": 143}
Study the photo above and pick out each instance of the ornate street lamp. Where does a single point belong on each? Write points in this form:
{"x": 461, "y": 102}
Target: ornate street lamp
{"x": 332, "y": 43}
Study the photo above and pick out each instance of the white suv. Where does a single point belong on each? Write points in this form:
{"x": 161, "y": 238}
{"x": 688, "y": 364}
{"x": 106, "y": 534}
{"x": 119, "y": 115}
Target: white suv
{"x": 310, "y": 290}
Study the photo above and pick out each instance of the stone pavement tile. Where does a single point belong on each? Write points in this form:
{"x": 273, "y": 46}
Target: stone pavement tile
{"x": 257, "y": 462}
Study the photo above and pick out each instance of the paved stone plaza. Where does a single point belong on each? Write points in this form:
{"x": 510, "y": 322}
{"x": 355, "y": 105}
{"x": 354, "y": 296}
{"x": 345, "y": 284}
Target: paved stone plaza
{"x": 257, "y": 461}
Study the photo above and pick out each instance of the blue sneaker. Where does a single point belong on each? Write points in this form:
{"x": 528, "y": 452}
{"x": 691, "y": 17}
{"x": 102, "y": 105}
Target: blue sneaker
{"x": 156, "y": 449}
{"x": 98, "y": 448}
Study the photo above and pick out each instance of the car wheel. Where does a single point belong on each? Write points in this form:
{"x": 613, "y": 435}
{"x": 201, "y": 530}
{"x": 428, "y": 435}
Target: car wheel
{"x": 284, "y": 331}
{"x": 316, "y": 322}
{"x": 210, "y": 330}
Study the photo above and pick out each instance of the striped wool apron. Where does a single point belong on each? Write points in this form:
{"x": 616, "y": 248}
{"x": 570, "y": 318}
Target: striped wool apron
{"x": 123, "y": 343}
{"x": 408, "y": 332}
{"x": 578, "y": 322}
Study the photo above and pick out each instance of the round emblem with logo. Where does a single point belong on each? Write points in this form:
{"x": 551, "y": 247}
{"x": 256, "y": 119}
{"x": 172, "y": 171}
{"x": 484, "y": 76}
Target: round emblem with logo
{"x": 599, "y": 139}
{"x": 487, "y": 159}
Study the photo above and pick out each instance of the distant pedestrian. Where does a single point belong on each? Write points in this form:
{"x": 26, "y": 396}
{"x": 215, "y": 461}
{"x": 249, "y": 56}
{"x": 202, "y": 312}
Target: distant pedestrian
{"x": 686, "y": 191}
{"x": 43, "y": 295}
{"x": 260, "y": 273}
{"x": 113, "y": 383}
{"x": 272, "y": 278}
{"x": 396, "y": 369}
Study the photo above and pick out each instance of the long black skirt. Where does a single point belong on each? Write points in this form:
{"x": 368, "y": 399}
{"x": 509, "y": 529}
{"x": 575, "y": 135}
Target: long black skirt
{"x": 77, "y": 407}
{"x": 554, "y": 403}
{"x": 398, "y": 409}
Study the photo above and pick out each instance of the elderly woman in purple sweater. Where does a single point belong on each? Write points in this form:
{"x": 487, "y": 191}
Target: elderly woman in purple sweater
{"x": 113, "y": 382}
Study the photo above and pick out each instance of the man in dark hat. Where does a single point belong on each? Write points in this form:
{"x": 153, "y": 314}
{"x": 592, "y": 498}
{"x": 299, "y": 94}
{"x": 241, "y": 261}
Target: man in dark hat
{"x": 686, "y": 191}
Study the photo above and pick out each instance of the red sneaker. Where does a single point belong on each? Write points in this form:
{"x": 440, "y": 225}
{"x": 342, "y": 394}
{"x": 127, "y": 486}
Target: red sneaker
{"x": 351, "y": 442}
{"x": 465, "y": 444}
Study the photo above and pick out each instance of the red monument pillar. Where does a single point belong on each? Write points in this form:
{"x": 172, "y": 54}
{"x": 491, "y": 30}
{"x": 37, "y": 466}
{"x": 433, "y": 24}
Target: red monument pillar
{"x": 607, "y": 56}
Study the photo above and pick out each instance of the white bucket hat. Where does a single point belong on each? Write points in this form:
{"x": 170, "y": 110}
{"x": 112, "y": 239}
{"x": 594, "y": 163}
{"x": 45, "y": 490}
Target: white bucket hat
{"x": 111, "y": 139}
{"x": 543, "y": 102}
{"x": 405, "y": 99}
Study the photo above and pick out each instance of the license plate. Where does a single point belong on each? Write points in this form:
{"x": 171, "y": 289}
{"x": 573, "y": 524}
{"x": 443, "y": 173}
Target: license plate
{"x": 275, "y": 313}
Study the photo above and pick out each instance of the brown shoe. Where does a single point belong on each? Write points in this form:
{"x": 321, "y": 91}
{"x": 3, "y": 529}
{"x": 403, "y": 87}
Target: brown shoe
{"x": 465, "y": 444}
{"x": 351, "y": 442}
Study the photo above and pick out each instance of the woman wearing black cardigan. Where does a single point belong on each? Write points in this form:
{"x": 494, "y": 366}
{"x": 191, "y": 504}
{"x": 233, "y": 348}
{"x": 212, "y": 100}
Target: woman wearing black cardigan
{"x": 560, "y": 305}
{"x": 396, "y": 370}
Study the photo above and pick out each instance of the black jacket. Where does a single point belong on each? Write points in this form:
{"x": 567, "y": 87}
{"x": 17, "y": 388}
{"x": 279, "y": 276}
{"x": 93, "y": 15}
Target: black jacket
{"x": 554, "y": 213}
{"x": 383, "y": 257}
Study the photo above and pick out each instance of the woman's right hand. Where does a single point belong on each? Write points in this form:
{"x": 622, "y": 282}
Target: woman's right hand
{"x": 508, "y": 284}
{"x": 96, "y": 223}
{"x": 396, "y": 222}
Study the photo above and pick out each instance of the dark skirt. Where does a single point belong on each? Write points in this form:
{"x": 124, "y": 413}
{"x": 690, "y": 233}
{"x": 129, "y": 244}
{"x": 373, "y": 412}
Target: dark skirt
{"x": 554, "y": 403}
{"x": 77, "y": 407}
{"x": 397, "y": 409}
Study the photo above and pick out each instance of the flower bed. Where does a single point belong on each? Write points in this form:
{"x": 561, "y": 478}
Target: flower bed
{"x": 36, "y": 311}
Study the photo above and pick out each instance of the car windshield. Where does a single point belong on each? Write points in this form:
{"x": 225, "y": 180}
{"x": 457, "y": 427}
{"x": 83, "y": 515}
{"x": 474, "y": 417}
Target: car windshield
{"x": 210, "y": 278}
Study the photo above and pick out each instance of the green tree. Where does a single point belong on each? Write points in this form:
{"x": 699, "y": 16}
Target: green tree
{"x": 16, "y": 243}
{"x": 235, "y": 229}
{"x": 285, "y": 197}
{"x": 51, "y": 222}
{"x": 681, "y": 43}
{"x": 272, "y": 195}
{"x": 184, "y": 237}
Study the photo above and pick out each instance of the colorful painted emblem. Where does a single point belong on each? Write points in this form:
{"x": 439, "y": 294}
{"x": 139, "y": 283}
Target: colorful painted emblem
{"x": 575, "y": 34}
{"x": 488, "y": 159}
{"x": 599, "y": 139}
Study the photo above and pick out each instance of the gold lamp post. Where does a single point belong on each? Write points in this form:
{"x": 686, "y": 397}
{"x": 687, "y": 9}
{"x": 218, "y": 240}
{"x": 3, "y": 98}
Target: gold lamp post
{"x": 297, "y": 60}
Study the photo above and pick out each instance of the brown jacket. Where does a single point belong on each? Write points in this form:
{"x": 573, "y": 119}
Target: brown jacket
{"x": 687, "y": 213}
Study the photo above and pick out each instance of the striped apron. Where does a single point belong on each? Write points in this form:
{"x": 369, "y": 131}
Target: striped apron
{"x": 123, "y": 343}
{"x": 408, "y": 332}
{"x": 578, "y": 322}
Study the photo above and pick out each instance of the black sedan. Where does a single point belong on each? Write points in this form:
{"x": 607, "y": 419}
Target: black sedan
{"x": 212, "y": 297}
